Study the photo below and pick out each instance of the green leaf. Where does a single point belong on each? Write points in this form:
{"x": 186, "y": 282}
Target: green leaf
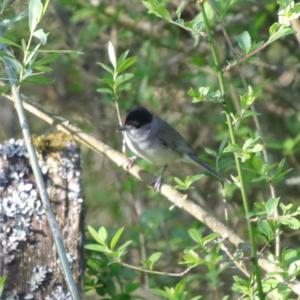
{"x": 2, "y": 282}
{"x": 286, "y": 209}
{"x": 180, "y": 184}
{"x": 179, "y": 289}
{"x": 96, "y": 247}
{"x": 46, "y": 4}
{"x": 157, "y": 8}
{"x": 294, "y": 268}
{"x": 241, "y": 285}
{"x": 198, "y": 95}
{"x": 122, "y": 57}
{"x": 123, "y": 78}
{"x": 296, "y": 9}
{"x": 272, "y": 205}
{"x": 95, "y": 235}
{"x": 106, "y": 67}
{"x": 252, "y": 146}
{"x": 123, "y": 249}
{"x": 278, "y": 31}
{"x": 257, "y": 148}
{"x": 191, "y": 258}
{"x": 244, "y": 41}
{"x": 248, "y": 98}
{"x": 204, "y": 94}
{"x": 180, "y": 8}
{"x": 195, "y": 235}
{"x": 211, "y": 152}
{"x": 127, "y": 63}
{"x": 41, "y": 36}
{"x": 104, "y": 91}
{"x": 209, "y": 238}
{"x": 4, "y": 89}
{"x": 42, "y": 68}
{"x": 35, "y": 10}
{"x": 160, "y": 293}
{"x": 6, "y": 41}
{"x": 108, "y": 81}
{"x": 38, "y": 79}
{"x": 153, "y": 258}
{"x": 102, "y": 234}
{"x": 112, "y": 54}
{"x": 116, "y": 238}
{"x": 188, "y": 181}
{"x": 266, "y": 230}
{"x": 289, "y": 221}
{"x": 49, "y": 58}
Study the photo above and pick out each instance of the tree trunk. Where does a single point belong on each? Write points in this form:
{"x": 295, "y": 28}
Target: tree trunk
{"x": 28, "y": 258}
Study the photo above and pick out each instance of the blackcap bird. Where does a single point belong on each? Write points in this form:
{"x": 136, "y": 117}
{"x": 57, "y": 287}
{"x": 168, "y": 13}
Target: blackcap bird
{"x": 154, "y": 140}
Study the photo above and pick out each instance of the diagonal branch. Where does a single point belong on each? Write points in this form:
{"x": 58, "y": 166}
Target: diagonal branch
{"x": 176, "y": 198}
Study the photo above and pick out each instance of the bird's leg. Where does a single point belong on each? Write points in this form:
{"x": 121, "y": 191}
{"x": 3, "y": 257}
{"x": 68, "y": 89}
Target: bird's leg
{"x": 158, "y": 180}
{"x": 130, "y": 162}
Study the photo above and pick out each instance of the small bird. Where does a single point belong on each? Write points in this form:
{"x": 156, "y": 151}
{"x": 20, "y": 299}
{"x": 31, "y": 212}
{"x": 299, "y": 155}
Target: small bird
{"x": 154, "y": 140}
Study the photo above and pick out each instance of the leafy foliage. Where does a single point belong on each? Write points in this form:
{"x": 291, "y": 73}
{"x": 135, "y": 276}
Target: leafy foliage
{"x": 175, "y": 77}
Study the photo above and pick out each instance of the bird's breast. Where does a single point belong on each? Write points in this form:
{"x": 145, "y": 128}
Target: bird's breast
{"x": 152, "y": 150}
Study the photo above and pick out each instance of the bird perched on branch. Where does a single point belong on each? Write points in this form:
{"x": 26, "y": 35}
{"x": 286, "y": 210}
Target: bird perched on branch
{"x": 154, "y": 140}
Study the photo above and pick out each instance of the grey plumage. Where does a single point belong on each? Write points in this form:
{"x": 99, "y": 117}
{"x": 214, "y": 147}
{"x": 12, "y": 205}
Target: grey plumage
{"x": 154, "y": 140}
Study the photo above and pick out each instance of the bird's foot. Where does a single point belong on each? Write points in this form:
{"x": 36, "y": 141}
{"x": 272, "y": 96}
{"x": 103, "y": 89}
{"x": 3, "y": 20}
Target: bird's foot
{"x": 157, "y": 183}
{"x": 130, "y": 162}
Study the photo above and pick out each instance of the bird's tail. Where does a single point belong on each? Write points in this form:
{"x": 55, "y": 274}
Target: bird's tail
{"x": 193, "y": 158}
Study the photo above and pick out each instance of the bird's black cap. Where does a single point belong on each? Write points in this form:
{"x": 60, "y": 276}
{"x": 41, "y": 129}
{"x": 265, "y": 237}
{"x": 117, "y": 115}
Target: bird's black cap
{"x": 138, "y": 117}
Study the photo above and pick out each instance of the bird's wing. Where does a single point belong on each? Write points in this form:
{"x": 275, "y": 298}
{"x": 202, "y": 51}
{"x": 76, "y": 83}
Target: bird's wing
{"x": 171, "y": 138}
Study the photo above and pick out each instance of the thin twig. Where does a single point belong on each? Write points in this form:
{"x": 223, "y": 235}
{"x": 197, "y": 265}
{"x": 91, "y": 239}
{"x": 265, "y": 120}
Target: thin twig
{"x": 156, "y": 272}
{"x": 225, "y": 203}
{"x": 247, "y": 56}
{"x": 239, "y": 264}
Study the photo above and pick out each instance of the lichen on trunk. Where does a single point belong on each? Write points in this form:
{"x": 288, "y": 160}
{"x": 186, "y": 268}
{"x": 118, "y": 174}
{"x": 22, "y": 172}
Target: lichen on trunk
{"x": 28, "y": 257}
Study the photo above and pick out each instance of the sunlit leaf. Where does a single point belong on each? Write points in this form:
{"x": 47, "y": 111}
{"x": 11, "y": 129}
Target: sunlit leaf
{"x": 272, "y": 205}
{"x": 278, "y": 31}
{"x": 116, "y": 238}
{"x": 153, "y": 258}
{"x": 104, "y": 91}
{"x": 35, "y": 9}
{"x": 195, "y": 235}
{"x": 95, "y": 235}
{"x": 102, "y": 234}
{"x": 126, "y": 64}
{"x": 2, "y": 282}
{"x": 244, "y": 41}
{"x": 96, "y": 247}
{"x": 41, "y": 36}
{"x": 112, "y": 54}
